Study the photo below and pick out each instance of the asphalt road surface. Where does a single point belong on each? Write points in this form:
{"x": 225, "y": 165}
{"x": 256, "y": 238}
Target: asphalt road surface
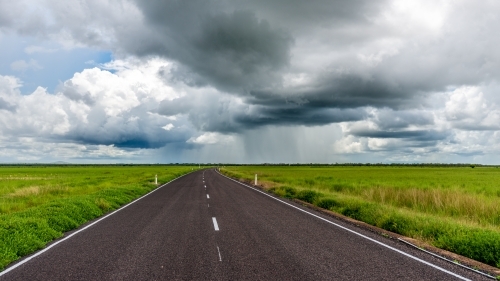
{"x": 204, "y": 226}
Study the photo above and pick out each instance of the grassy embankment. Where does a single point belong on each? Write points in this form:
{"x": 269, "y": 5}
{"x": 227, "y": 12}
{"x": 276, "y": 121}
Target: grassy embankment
{"x": 456, "y": 209}
{"x": 38, "y": 204}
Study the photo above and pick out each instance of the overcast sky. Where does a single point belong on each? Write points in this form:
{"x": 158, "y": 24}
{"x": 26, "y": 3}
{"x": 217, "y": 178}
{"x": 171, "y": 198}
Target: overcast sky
{"x": 282, "y": 81}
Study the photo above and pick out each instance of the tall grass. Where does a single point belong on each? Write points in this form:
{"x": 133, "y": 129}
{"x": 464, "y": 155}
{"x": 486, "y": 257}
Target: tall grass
{"x": 457, "y": 209}
{"x": 39, "y": 204}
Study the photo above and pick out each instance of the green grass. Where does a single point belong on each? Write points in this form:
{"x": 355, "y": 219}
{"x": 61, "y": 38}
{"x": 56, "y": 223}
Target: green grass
{"x": 456, "y": 209}
{"x": 38, "y": 204}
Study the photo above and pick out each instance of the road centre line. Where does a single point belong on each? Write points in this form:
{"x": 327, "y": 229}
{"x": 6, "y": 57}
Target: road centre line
{"x": 220, "y": 258}
{"x": 208, "y": 197}
{"x": 216, "y": 226}
{"x": 82, "y": 229}
{"x": 352, "y": 231}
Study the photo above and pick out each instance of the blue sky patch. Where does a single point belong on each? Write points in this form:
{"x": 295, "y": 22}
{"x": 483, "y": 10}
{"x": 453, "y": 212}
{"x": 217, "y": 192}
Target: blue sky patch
{"x": 45, "y": 64}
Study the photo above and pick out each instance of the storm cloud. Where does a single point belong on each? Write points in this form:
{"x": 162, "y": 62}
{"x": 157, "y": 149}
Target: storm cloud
{"x": 313, "y": 64}
{"x": 404, "y": 80}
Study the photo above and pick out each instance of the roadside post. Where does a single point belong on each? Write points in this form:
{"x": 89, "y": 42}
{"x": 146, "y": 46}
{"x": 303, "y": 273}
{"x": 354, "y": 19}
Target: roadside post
{"x": 156, "y": 179}
{"x": 255, "y": 179}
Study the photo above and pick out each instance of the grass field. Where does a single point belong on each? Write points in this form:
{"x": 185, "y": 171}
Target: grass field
{"x": 40, "y": 203}
{"x": 453, "y": 208}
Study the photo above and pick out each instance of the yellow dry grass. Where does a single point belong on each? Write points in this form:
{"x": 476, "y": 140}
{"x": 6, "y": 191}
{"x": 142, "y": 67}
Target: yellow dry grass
{"x": 25, "y": 192}
{"x": 35, "y": 190}
{"x": 448, "y": 202}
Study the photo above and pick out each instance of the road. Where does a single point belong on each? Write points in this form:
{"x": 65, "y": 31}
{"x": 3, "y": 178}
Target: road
{"x": 204, "y": 226}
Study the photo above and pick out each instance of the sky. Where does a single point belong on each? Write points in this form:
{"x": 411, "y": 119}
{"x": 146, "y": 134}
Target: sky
{"x": 262, "y": 81}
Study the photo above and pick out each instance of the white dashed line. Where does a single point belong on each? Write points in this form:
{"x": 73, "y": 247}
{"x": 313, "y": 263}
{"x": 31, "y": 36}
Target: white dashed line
{"x": 216, "y": 226}
{"x": 220, "y": 258}
{"x": 208, "y": 197}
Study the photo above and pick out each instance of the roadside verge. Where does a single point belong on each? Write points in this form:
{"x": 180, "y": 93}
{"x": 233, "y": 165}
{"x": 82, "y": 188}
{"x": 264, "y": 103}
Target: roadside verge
{"x": 30, "y": 236}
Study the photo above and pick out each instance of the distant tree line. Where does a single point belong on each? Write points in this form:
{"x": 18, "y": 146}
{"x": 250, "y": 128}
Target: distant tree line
{"x": 368, "y": 164}
{"x": 261, "y": 164}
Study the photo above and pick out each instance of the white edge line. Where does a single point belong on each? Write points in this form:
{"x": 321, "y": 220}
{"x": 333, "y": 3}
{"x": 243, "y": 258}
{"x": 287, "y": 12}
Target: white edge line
{"x": 352, "y": 231}
{"x": 445, "y": 259}
{"x": 216, "y": 226}
{"x": 82, "y": 229}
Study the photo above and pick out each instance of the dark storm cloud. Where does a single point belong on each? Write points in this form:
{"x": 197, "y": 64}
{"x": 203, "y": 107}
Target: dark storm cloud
{"x": 216, "y": 113}
{"x": 397, "y": 120}
{"x": 343, "y": 91}
{"x": 470, "y": 153}
{"x": 234, "y": 50}
{"x": 238, "y": 46}
{"x": 315, "y": 11}
{"x": 141, "y": 136}
{"x": 351, "y": 90}
{"x": 246, "y": 47}
{"x": 409, "y": 146}
{"x": 476, "y": 127}
{"x": 341, "y": 100}
{"x": 137, "y": 140}
{"x": 296, "y": 115}
{"x": 242, "y": 46}
{"x": 416, "y": 135}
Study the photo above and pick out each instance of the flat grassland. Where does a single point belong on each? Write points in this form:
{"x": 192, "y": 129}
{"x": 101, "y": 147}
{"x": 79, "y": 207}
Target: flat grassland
{"x": 40, "y": 203}
{"x": 453, "y": 208}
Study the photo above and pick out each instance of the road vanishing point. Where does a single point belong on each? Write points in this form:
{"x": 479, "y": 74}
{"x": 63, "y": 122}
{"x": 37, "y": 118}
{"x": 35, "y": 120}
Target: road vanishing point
{"x": 204, "y": 226}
